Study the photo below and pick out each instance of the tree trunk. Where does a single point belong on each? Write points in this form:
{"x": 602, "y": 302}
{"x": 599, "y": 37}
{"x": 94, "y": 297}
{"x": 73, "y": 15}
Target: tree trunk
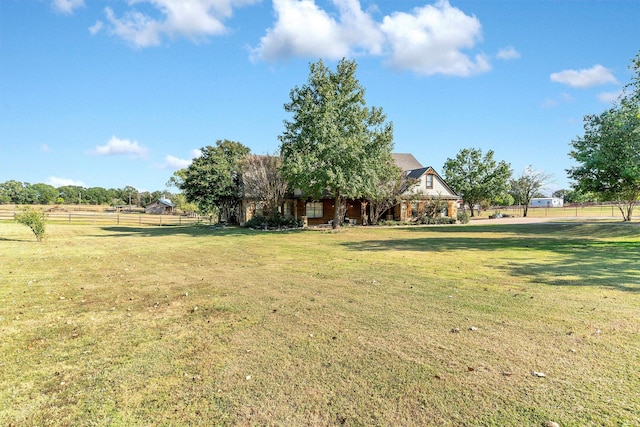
{"x": 337, "y": 212}
{"x": 375, "y": 212}
{"x": 470, "y": 204}
{"x": 627, "y": 211}
{"x": 363, "y": 212}
{"x": 525, "y": 209}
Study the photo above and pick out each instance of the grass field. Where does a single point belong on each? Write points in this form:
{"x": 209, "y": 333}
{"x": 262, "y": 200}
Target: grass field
{"x": 441, "y": 326}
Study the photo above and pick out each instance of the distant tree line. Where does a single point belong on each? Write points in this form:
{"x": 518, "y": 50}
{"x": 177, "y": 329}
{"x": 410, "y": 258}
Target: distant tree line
{"x": 24, "y": 193}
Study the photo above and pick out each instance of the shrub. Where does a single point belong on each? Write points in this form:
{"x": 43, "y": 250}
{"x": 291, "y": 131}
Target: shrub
{"x": 425, "y": 219}
{"x": 463, "y": 217}
{"x": 278, "y": 221}
{"x": 390, "y": 222}
{"x": 34, "y": 220}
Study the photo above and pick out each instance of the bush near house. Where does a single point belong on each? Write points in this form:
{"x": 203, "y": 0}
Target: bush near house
{"x": 463, "y": 217}
{"x": 426, "y": 219}
{"x": 278, "y": 221}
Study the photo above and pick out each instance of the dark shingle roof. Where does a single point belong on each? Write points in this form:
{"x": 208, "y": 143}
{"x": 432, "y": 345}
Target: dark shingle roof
{"x": 416, "y": 173}
{"x": 406, "y": 161}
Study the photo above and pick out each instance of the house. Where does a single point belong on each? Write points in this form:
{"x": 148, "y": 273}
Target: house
{"x": 547, "y": 202}
{"x": 160, "y": 206}
{"x": 425, "y": 185}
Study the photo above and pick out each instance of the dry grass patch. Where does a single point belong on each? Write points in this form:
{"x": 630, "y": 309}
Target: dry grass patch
{"x": 370, "y": 326}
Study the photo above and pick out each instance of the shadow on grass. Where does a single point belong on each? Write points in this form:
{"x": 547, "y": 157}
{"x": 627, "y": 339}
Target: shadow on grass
{"x": 605, "y": 255}
{"x": 4, "y": 239}
{"x": 191, "y": 230}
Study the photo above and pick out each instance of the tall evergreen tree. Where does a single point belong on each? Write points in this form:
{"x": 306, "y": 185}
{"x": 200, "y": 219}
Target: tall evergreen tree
{"x": 334, "y": 143}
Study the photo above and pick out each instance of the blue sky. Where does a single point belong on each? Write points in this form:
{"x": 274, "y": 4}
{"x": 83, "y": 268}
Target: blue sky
{"x": 123, "y": 92}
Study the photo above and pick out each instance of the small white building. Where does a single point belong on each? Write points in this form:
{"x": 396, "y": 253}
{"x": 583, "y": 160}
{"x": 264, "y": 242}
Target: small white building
{"x": 546, "y": 202}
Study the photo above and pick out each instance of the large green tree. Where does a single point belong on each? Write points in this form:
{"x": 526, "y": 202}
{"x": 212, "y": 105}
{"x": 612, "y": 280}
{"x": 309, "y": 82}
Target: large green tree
{"x": 334, "y": 143}
{"x": 475, "y": 177}
{"x": 71, "y": 194}
{"x": 96, "y": 196}
{"x": 213, "y": 181}
{"x": 17, "y": 192}
{"x": 527, "y": 186}
{"x": 45, "y": 194}
{"x": 608, "y": 154}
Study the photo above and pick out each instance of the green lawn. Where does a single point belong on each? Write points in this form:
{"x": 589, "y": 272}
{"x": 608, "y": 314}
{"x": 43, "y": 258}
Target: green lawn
{"x": 433, "y": 326}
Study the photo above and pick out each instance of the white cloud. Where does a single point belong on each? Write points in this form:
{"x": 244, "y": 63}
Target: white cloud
{"x": 136, "y": 28}
{"x": 45, "y": 148}
{"x": 117, "y": 146}
{"x": 609, "y": 97}
{"x": 508, "y": 53}
{"x": 67, "y": 6}
{"x": 433, "y": 39}
{"x": 194, "y": 19}
{"x": 303, "y": 29}
{"x": 594, "y": 76}
{"x": 96, "y": 28}
{"x": 172, "y": 162}
{"x": 429, "y": 40}
{"x": 175, "y": 163}
{"x": 61, "y": 182}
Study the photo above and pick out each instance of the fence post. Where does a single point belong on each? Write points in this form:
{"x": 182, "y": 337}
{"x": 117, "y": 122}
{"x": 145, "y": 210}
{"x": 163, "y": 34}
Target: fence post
{"x": 139, "y": 219}
{"x": 94, "y": 218}
{"x": 118, "y": 218}
{"x": 69, "y": 217}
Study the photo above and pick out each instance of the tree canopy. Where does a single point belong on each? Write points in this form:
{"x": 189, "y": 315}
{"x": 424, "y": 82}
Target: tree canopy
{"x": 213, "y": 181}
{"x": 527, "y": 186}
{"x": 476, "y": 178}
{"x": 608, "y": 154}
{"x": 573, "y": 196}
{"x": 334, "y": 143}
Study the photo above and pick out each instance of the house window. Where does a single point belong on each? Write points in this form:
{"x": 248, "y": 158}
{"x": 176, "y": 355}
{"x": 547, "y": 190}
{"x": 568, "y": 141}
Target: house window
{"x": 259, "y": 209}
{"x": 314, "y": 210}
{"x": 429, "y": 181}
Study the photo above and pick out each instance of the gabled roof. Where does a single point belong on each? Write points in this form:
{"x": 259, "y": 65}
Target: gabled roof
{"x": 406, "y": 161}
{"x": 165, "y": 202}
{"x": 417, "y": 173}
